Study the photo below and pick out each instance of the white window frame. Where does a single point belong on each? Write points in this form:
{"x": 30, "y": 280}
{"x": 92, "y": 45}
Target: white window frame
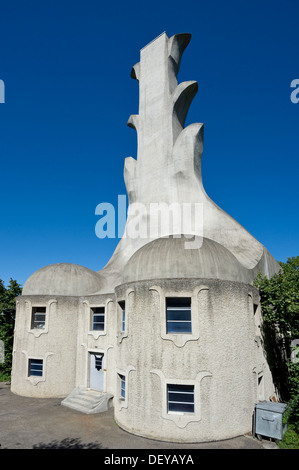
{"x": 34, "y": 312}
{"x": 122, "y": 386}
{"x": 181, "y": 419}
{"x": 93, "y": 314}
{"x": 122, "y": 307}
{"x": 35, "y": 379}
{"x": 180, "y": 339}
{"x": 122, "y": 402}
{"x": 121, "y": 322}
{"x": 30, "y": 362}
{"x": 174, "y": 392}
{"x": 88, "y": 317}
{"x": 50, "y": 305}
{"x": 178, "y": 308}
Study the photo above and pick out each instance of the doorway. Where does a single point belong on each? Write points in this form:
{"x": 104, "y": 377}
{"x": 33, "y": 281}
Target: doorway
{"x": 96, "y": 371}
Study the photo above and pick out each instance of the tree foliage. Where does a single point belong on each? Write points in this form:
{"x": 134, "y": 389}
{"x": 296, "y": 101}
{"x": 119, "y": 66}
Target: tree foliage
{"x": 280, "y": 298}
{"x": 7, "y": 318}
{"x": 280, "y": 307}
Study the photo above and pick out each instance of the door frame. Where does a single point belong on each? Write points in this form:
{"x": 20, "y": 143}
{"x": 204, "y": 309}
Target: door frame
{"x": 96, "y": 351}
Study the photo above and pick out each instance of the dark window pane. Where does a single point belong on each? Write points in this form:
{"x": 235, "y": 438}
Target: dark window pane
{"x": 36, "y": 367}
{"x": 38, "y": 317}
{"x": 100, "y": 310}
{"x": 180, "y": 388}
{"x": 98, "y": 318}
{"x": 181, "y": 407}
{"x": 178, "y": 327}
{"x": 178, "y": 302}
{"x": 179, "y": 314}
{"x": 181, "y": 397}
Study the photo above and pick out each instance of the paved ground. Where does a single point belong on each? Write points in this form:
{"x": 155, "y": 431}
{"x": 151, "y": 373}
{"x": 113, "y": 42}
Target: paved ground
{"x": 31, "y": 423}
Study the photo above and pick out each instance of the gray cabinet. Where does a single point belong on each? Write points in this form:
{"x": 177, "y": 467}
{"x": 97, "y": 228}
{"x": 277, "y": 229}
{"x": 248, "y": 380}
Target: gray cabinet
{"x": 268, "y": 419}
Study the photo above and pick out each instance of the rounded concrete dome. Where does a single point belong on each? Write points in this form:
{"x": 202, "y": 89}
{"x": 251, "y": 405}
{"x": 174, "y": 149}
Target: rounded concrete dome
{"x": 63, "y": 279}
{"x": 169, "y": 258}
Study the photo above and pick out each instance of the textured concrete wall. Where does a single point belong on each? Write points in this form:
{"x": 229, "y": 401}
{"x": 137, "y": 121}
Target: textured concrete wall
{"x": 221, "y": 358}
{"x": 96, "y": 341}
{"x": 55, "y": 344}
{"x": 64, "y": 344}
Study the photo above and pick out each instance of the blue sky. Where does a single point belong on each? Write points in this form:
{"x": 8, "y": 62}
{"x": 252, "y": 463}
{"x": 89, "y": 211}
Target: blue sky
{"x": 68, "y": 95}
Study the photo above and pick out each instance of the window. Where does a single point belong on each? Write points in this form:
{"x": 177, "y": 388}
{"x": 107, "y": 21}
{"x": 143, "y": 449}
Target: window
{"x": 38, "y": 318}
{"x": 35, "y": 367}
{"x": 98, "y": 318}
{"x": 178, "y": 315}
{"x": 123, "y": 316}
{"x": 122, "y": 380}
{"x": 180, "y": 398}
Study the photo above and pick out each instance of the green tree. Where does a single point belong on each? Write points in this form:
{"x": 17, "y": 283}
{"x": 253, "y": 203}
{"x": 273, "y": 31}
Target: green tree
{"x": 280, "y": 307}
{"x": 7, "y": 320}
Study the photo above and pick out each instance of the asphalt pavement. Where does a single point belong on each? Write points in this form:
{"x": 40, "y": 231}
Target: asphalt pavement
{"x": 43, "y": 423}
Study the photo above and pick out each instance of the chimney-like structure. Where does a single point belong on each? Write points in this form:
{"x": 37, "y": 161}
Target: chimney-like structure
{"x": 167, "y": 172}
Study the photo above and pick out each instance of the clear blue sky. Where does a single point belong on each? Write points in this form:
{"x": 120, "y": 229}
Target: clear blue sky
{"x": 63, "y": 134}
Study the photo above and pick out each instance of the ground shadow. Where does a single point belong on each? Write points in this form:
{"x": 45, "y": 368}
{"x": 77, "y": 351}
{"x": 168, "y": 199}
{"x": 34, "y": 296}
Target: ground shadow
{"x": 69, "y": 443}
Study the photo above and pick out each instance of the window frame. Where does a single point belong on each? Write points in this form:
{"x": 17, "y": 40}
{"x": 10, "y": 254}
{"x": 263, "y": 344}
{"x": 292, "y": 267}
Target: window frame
{"x": 198, "y": 299}
{"x": 34, "y": 312}
{"x": 35, "y": 361}
{"x": 93, "y": 314}
{"x": 180, "y": 389}
{"x": 122, "y": 306}
{"x": 181, "y": 419}
{"x": 171, "y": 310}
{"x": 122, "y": 386}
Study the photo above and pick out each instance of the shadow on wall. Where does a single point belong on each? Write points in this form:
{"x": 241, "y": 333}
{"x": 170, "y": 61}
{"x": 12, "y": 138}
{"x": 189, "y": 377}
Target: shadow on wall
{"x": 276, "y": 351}
{"x": 69, "y": 443}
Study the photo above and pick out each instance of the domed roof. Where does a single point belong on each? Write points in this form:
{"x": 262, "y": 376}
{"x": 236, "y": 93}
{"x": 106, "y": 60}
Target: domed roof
{"x": 169, "y": 258}
{"x": 62, "y": 279}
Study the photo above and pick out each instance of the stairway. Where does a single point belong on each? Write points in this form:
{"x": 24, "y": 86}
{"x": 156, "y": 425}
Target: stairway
{"x": 88, "y": 401}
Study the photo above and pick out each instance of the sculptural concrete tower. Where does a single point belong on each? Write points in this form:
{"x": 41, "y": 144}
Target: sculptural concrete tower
{"x": 168, "y": 166}
{"x": 169, "y": 332}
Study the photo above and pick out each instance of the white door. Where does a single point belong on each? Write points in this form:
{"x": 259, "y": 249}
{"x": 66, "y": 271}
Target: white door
{"x": 96, "y": 374}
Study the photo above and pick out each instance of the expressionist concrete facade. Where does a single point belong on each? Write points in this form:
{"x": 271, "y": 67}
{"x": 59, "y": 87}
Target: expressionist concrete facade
{"x": 169, "y": 332}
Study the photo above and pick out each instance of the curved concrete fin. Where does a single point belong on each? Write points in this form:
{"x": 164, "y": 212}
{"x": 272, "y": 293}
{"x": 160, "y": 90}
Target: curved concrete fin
{"x": 130, "y": 178}
{"x": 176, "y": 46}
{"x": 136, "y": 71}
{"x": 187, "y": 152}
{"x": 182, "y": 98}
{"x": 132, "y": 121}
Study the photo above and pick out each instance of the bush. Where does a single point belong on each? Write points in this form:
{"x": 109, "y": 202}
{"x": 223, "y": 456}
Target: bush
{"x": 290, "y": 439}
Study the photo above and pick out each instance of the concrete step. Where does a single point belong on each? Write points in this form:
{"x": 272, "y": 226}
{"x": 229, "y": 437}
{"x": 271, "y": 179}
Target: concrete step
{"x": 88, "y": 401}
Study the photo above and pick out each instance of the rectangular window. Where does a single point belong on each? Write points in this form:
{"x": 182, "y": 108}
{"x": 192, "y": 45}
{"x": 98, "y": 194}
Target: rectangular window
{"x": 180, "y": 398}
{"x": 98, "y": 318}
{"x": 122, "y": 380}
{"x": 178, "y": 315}
{"x": 35, "y": 367}
{"x": 123, "y": 315}
{"x": 38, "y": 318}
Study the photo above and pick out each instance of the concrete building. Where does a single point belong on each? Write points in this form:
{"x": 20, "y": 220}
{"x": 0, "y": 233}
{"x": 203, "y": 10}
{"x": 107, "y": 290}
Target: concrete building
{"x": 169, "y": 331}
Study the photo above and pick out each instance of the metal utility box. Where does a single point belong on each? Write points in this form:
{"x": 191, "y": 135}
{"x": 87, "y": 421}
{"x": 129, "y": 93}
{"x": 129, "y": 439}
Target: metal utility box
{"x": 268, "y": 419}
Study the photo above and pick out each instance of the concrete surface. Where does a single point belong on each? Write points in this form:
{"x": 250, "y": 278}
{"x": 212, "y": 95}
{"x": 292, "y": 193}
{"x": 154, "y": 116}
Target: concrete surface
{"x": 38, "y": 423}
